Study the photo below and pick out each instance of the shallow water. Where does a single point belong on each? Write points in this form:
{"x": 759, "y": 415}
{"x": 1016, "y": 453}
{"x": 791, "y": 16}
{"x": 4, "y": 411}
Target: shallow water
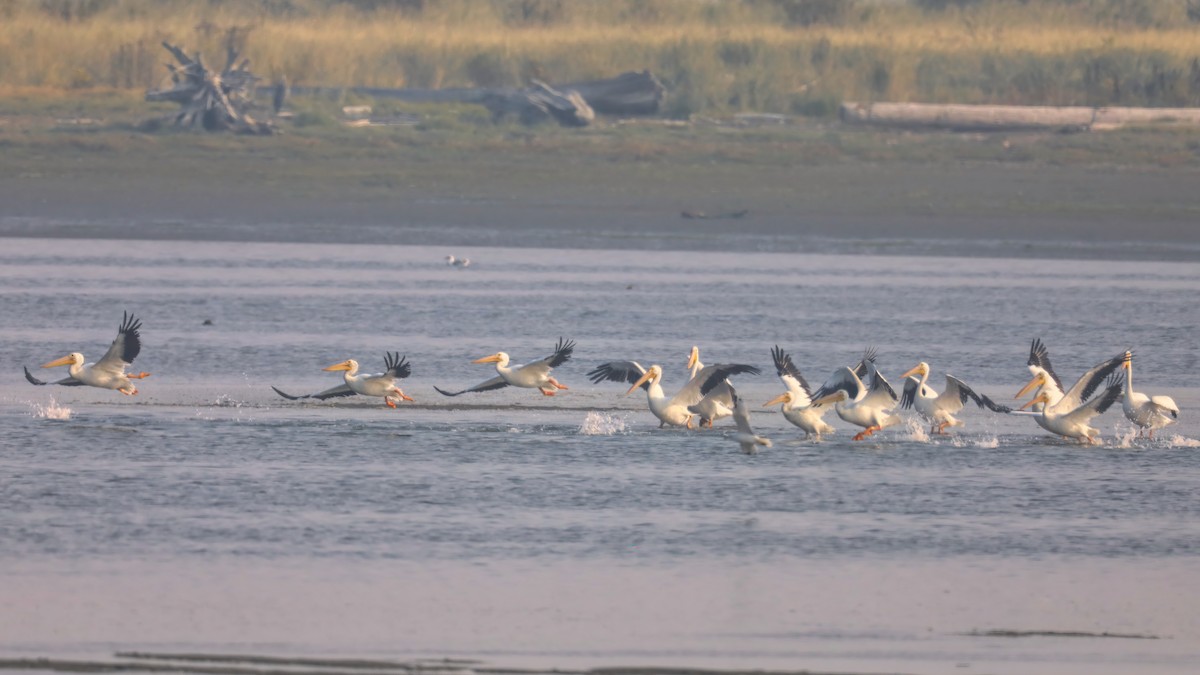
{"x": 209, "y": 514}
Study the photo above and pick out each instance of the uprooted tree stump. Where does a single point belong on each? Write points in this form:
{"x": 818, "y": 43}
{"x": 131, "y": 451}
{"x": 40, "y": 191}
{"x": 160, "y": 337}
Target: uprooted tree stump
{"x": 211, "y": 100}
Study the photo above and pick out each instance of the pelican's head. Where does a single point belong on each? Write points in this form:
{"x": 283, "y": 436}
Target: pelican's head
{"x": 920, "y": 370}
{"x": 785, "y": 397}
{"x": 349, "y": 365}
{"x": 499, "y": 358}
{"x": 72, "y": 359}
{"x": 836, "y": 397}
{"x": 694, "y": 357}
{"x": 1127, "y": 363}
{"x": 1036, "y": 383}
{"x": 653, "y": 375}
{"x": 1043, "y": 398}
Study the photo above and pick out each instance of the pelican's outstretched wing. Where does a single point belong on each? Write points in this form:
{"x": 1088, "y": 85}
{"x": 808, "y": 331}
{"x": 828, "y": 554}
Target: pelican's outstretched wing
{"x": 842, "y": 379}
{"x": 790, "y": 375}
{"x": 396, "y": 366}
{"x": 562, "y": 353}
{"x": 335, "y": 392}
{"x": 66, "y": 381}
{"x": 496, "y": 382}
{"x": 1112, "y": 393}
{"x": 956, "y": 388}
{"x": 880, "y": 395}
{"x": 124, "y": 348}
{"x": 708, "y": 378}
{"x": 618, "y": 371}
{"x": 1088, "y": 383}
{"x": 1039, "y": 358}
{"x": 909, "y": 395}
{"x": 864, "y": 365}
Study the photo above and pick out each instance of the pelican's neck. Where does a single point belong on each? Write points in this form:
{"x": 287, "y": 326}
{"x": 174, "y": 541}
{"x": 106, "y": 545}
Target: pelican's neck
{"x": 1129, "y": 381}
{"x": 76, "y": 369}
{"x": 697, "y": 367}
{"x": 922, "y": 380}
{"x": 502, "y": 368}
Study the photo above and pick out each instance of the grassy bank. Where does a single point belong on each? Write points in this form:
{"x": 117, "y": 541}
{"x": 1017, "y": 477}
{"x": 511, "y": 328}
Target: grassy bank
{"x": 790, "y": 56}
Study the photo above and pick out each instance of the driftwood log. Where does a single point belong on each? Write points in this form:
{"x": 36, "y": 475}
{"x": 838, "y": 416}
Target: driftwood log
{"x": 627, "y": 94}
{"x": 1009, "y": 117}
{"x": 540, "y": 102}
{"x": 215, "y": 101}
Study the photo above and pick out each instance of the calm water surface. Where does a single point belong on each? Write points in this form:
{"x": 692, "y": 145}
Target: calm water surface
{"x": 208, "y": 514}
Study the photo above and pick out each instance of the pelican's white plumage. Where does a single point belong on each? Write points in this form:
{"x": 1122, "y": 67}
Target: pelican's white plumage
{"x": 939, "y": 409}
{"x": 534, "y": 375}
{"x": 715, "y": 404}
{"x": 1147, "y": 412}
{"x": 797, "y": 402}
{"x": 379, "y": 385}
{"x": 671, "y": 411}
{"x": 109, "y": 371}
{"x": 869, "y": 406}
{"x": 1069, "y": 415}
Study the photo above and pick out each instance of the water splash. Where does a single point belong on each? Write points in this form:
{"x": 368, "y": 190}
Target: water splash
{"x": 1177, "y": 441}
{"x": 51, "y": 411}
{"x": 600, "y": 424}
{"x": 917, "y": 432}
{"x": 990, "y": 443}
{"x": 1124, "y": 437}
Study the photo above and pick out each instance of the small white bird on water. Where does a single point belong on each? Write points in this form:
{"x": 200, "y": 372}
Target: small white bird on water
{"x": 458, "y": 262}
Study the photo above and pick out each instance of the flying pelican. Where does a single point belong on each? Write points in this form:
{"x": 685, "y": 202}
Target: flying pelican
{"x": 1069, "y": 417}
{"x": 717, "y": 402}
{"x": 382, "y": 384}
{"x": 869, "y": 407}
{"x": 535, "y": 375}
{"x": 109, "y": 371}
{"x": 937, "y": 409}
{"x": 797, "y": 405}
{"x": 745, "y": 436}
{"x": 1147, "y": 412}
{"x": 673, "y": 411}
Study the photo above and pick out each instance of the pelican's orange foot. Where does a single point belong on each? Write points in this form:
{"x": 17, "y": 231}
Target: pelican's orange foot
{"x": 139, "y": 376}
{"x": 406, "y": 397}
{"x": 546, "y": 393}
{"x": 557, "y": 384}
{"x": 389, "y": 403}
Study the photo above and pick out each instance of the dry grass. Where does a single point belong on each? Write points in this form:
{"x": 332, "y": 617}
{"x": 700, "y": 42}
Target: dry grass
{"x": 747, "y": 55}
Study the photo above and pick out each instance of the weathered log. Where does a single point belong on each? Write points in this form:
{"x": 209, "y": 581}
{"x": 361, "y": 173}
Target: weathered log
{"x": 210, "y": 100}
{"x": 626, "y": 94}
{"x": 540, "y": 102}
{"x": 1008, "y": 118}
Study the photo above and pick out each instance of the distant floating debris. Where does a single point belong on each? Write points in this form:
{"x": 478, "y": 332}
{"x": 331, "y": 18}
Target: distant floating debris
{"x": 206, "y": 322}
{"x": 458, "y": 262}
{"x": 700, "y": 215}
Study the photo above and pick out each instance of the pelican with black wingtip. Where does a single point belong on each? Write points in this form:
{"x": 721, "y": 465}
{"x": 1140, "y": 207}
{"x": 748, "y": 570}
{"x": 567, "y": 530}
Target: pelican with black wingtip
{"x": 534, "y": 375}
{"x": 673, "y": 411}
{"x": 109, "y": 371}
{"x": 938, "y": 409}
{"x": 379, "y": 385}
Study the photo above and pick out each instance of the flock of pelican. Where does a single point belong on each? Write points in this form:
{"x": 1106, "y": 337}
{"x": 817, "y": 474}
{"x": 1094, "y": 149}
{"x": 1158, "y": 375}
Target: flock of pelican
{"x": 858, "y": 394}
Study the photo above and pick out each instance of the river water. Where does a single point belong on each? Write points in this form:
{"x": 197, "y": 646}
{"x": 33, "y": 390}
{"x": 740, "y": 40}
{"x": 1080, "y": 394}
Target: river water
{"x": 207, "y": 514}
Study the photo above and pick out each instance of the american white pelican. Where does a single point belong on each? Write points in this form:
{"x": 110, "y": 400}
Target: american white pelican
{"x": 937, "y": 409}
{"x": 868, "y": 406}
{"x": 458, "y": 262}
{"x": 535, "y": 375}
{"x": 381, "y": 384}
{"x": 1068, "y": 415}
{"x": 109, "y": 371}
{"x": 1147, "y": 412}
{"x": 745, "y": 436}
{"x": 673, "y": 411}
{"x": 1070, "y": 420}
{"x": 716, "y": 402}
{"x": 797, "y": 405}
